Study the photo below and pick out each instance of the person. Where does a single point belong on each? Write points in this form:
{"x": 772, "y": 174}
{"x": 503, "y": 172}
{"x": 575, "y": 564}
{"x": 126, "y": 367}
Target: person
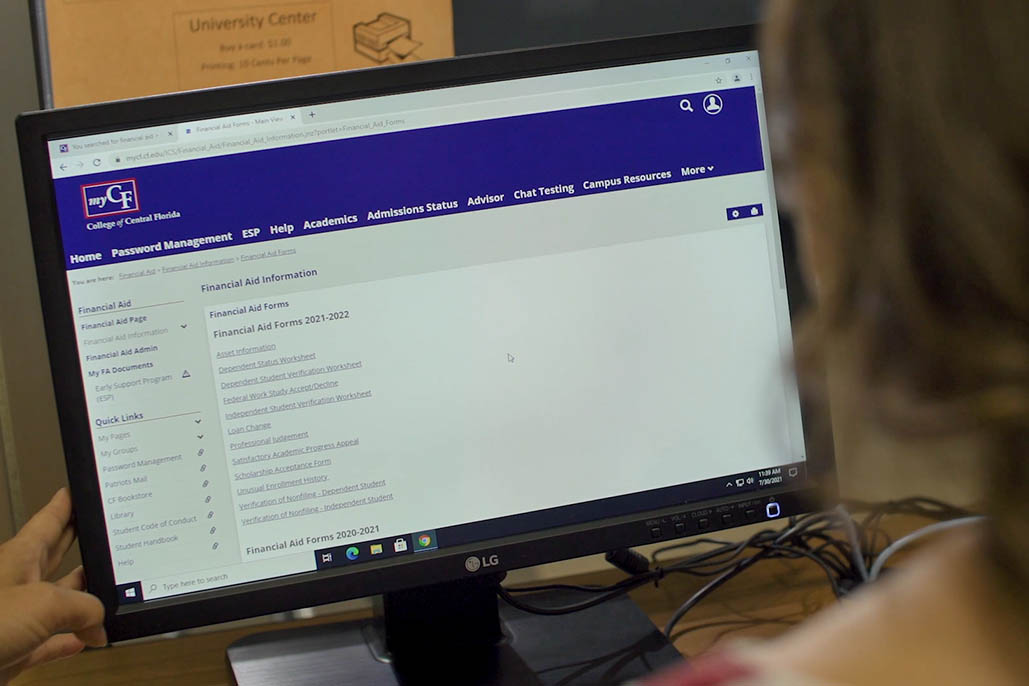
{"x": 903, "y": 133}
{"x": 42, "y": 621}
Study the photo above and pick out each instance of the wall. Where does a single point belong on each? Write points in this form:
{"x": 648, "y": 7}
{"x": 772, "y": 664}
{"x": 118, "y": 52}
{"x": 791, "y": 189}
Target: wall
{"x": 29, "y": 420}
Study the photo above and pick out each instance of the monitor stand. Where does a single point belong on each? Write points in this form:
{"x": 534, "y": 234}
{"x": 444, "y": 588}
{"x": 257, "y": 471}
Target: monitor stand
{"x": 455, "y": 633}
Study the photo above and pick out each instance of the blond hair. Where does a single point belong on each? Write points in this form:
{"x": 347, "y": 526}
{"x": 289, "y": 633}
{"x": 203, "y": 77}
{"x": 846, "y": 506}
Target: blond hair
{"x": 905, "y": 126}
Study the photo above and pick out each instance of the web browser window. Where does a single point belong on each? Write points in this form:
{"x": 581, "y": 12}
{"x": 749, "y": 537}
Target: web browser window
{"x": 317, "y": 337}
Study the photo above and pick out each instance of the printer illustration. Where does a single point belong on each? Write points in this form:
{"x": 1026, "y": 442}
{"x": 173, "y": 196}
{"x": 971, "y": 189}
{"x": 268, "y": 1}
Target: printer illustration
{"x": 386, "y": 39}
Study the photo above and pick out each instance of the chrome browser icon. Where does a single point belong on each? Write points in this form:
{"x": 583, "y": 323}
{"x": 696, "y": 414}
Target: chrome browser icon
{"x": 425, "y": 540}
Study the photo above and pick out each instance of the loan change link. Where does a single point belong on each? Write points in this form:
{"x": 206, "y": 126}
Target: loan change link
{"x": 197, "y": 204}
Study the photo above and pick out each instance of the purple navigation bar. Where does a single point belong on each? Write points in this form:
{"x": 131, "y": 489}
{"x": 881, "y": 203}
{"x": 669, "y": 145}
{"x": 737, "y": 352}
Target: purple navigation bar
{"x": 265, "y": 195}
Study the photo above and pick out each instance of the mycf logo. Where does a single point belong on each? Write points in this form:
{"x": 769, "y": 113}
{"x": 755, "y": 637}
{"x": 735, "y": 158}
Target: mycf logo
{"x": 113, "y": 197}
{"x": 474, "y": 563}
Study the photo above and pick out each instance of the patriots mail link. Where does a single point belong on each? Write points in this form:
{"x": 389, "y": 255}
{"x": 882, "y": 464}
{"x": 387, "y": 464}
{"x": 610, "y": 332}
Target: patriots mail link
{"x": 110, "y": 197}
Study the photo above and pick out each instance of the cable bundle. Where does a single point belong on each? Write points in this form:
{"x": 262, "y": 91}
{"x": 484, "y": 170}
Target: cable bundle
{"x": 848, "y": 560}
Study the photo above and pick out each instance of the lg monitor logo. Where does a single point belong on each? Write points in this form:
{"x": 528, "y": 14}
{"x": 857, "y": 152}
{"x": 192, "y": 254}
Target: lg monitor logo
{"x": 113, "y": 197}
{"x": 474, "y": 563}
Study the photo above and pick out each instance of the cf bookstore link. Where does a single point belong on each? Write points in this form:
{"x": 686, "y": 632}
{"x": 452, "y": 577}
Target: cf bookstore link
{"x": 291, "y": 344}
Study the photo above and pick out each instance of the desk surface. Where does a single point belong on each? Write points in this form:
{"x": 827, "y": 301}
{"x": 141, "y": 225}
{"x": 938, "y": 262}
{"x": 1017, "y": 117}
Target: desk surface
{"x": 762, "y": 602}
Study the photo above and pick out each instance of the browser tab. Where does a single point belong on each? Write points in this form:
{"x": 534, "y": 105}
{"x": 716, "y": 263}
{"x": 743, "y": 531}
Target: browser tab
{"x": 261, "y": 122}
{"x": 106, "y": 142}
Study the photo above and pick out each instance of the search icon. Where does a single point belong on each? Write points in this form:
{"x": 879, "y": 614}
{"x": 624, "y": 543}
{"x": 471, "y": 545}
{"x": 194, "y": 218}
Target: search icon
{"x": 685, "y": 105}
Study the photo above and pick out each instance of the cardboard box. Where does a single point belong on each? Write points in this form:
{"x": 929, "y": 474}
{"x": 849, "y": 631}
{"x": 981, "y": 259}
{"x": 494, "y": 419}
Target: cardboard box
{"x": 114, "y": 49}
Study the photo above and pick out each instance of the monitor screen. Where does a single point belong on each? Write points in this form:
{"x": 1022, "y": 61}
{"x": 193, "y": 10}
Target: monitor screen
{"x": 360, "y": 332}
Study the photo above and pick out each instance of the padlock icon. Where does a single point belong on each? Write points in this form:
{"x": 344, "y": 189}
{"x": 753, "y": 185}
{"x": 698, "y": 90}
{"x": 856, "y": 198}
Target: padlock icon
{"x": 400, "y": 545}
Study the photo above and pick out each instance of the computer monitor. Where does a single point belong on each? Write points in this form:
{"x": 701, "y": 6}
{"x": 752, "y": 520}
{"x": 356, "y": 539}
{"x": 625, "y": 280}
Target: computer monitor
{"x": 345, "y": 335}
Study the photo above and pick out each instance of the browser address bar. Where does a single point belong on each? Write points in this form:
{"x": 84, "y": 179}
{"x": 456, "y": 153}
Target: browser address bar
{"x": 228, "y": 146}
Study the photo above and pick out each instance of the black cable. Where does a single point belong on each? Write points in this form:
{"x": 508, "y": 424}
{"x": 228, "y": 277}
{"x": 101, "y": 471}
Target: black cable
{"x": 845, "y": 561}
{"x": 919, "y": 506}
{"x": 825, "y": 553}
{"x": 829, "y": 571}
{"x": 688, "y": 544}
{"x": 707, "y": 589}
{"x": 628, "y": 560}
{"x": 930, "y": 507}
{"x": 711, "y": 562}
{"x": 799, "y": 527}
{"x": 508, "y": 598}
{"x": 574, "y": 587}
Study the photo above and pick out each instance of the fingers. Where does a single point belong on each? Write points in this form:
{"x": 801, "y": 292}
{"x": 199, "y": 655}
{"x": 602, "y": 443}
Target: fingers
{"x": 94, "y": 636}
{"x": 63, "y": 610}
{"x": 19, "y": 562}
{"x": 36, "y": 551}
{"x": 58, "y": 551}
{"x": 57, "y": 648}
{"x": 49, "y": 524}
{"x": 75, "y": 580}
{"x": 31, "y": 614}
{"x": 56, "y": 530}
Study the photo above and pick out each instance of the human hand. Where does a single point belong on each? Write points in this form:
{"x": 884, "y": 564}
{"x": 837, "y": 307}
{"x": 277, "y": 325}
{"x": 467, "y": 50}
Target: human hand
{"x": 41, "y": 621}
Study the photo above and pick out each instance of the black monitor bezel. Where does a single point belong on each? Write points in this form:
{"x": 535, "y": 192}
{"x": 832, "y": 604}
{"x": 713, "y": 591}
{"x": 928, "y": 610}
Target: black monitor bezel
{"x": 309, "y": 589}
